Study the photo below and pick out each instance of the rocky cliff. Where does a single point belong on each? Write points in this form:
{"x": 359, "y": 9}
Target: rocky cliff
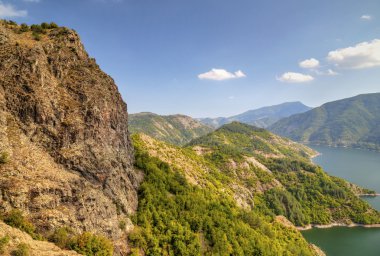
{"x": 63, "y": 135}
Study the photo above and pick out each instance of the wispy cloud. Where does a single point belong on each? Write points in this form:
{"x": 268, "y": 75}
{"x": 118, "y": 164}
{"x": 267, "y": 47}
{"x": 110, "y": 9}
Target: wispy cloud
{"x": 331, "y": 72}
{"x": 328, "y": 72}
{"x": 8, "y": 11}
{"x": 293, "y": 77}
{"x": 362, "y": 55}
{"x": 366, "y": 17}
{"x": 309, "y": 63}
{"x": 220, "y": 74}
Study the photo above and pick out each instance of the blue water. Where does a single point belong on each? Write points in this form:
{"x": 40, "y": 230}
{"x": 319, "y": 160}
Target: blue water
{"x": 361, "y": 167}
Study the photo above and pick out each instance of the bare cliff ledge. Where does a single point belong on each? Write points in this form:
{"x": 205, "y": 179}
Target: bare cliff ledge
{"x": 63, "y": 130}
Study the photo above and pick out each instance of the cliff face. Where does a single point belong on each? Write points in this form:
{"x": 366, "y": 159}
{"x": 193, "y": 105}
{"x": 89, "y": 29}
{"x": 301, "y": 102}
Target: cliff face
{"x": 63, "y": 124}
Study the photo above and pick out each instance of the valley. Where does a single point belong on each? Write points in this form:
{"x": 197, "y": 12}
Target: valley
{"x": 81, "y": 176}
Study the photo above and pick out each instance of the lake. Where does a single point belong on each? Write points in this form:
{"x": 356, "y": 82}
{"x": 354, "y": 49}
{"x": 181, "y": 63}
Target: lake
{"x": 361, "y": 167}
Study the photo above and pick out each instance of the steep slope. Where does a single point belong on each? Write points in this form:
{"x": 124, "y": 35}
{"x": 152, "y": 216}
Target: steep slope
{"x": 11, "y": 239}
{"x": 226, "y": 192}
{"x": 175, "y": 129}
{"x": 262, "y": 117}
{"x": 187, "y": 206}
{"x": 352, "y": 122}
{"x": 63, "y": 135}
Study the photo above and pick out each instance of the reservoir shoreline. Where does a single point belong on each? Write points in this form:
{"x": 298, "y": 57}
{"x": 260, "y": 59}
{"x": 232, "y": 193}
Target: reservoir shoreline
{"x": 335, "y": 224}
{"x": 359, "y": 167}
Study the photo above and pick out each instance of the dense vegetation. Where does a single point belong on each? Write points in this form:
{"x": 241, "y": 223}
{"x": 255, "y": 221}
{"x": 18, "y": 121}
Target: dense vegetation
{"x": 235, "y": 140}
{"x": 262, "y": 117}
{"x": 350, "y": 122}
{"x": 308, "y": 194}
{"x": 175, "y": 129}
{"x": 193, "y": 203}
{"x": 177, "y": 218}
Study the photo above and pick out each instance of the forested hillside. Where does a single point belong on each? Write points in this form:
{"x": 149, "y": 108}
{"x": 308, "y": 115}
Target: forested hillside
{"x": 225, "y": 192}
{"x": 175, "y": 129}
{"x": 352, "y": 122}
{"x": 261, "y": 117}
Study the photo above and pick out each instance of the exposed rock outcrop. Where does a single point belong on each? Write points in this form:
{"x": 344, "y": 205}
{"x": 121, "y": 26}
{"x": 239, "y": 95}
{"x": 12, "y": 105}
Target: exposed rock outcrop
{"x": 63, "y": 125}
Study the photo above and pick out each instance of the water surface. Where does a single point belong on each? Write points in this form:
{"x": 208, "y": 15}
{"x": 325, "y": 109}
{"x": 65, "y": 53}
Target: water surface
{"x": 343, "y": 241}
{"x": 361, "y": 167}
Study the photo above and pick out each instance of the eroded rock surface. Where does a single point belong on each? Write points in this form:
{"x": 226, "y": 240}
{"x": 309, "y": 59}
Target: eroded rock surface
{"x": 63, "y": 125}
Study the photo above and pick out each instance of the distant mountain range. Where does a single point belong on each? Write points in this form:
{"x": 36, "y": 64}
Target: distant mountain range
{"x": 175, "y": 129}
{"x": 262, "y": 117}
{"x": 353, "y": 122}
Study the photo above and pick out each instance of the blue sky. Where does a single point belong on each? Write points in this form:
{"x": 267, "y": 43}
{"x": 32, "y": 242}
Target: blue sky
{"x": 222, "y": 57}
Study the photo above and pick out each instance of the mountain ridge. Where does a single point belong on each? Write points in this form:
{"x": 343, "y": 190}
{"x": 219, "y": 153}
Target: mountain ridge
{"x": 350, "y": 122}
{"x": 261, "y": 117}
{"x": 176, "y": 129}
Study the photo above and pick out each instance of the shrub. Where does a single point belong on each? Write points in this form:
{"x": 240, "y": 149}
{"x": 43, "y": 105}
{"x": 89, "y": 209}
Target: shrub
{"x": 86, "y": 243}
{"x": 4, "y": 157}
{"x": 11, "y": 22}
{"x": 24, "y": 28}
{"x": 15, "y": 219}
{"x": 91, "y": 245}
{"x": 36, "y": 36}
{"x": 3, "y": 242}
{"x": 37, "y": 29}
{"x": 61, "y": 237}
{"x": 122, "y": 224}
{"x": 22, "y": 250}
{"x": 45, "y": 25}
{"x": 53, "y": 25}
{"x": 50, "y": 25}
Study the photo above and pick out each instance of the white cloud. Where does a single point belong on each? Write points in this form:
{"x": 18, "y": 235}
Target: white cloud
{"x": 239, "y": 74}
{"x": 292, "y": 77}
{"x": 220, "y": 74}
{"x": 8, "y": 10}
{"x": 309, "y": 63}
{"x": 366, "y": 17}
{"x": 362, "y": 55}
{"x": 331, "y": 72}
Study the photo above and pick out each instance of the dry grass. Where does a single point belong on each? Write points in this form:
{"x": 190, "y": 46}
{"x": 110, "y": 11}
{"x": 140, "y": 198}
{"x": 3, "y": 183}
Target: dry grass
{"x": 36, "y": 248}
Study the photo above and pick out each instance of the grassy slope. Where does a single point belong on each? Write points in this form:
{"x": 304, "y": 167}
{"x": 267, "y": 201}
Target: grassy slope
{"x": 175, "y": 129}
{"x": 348, "y": 122}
